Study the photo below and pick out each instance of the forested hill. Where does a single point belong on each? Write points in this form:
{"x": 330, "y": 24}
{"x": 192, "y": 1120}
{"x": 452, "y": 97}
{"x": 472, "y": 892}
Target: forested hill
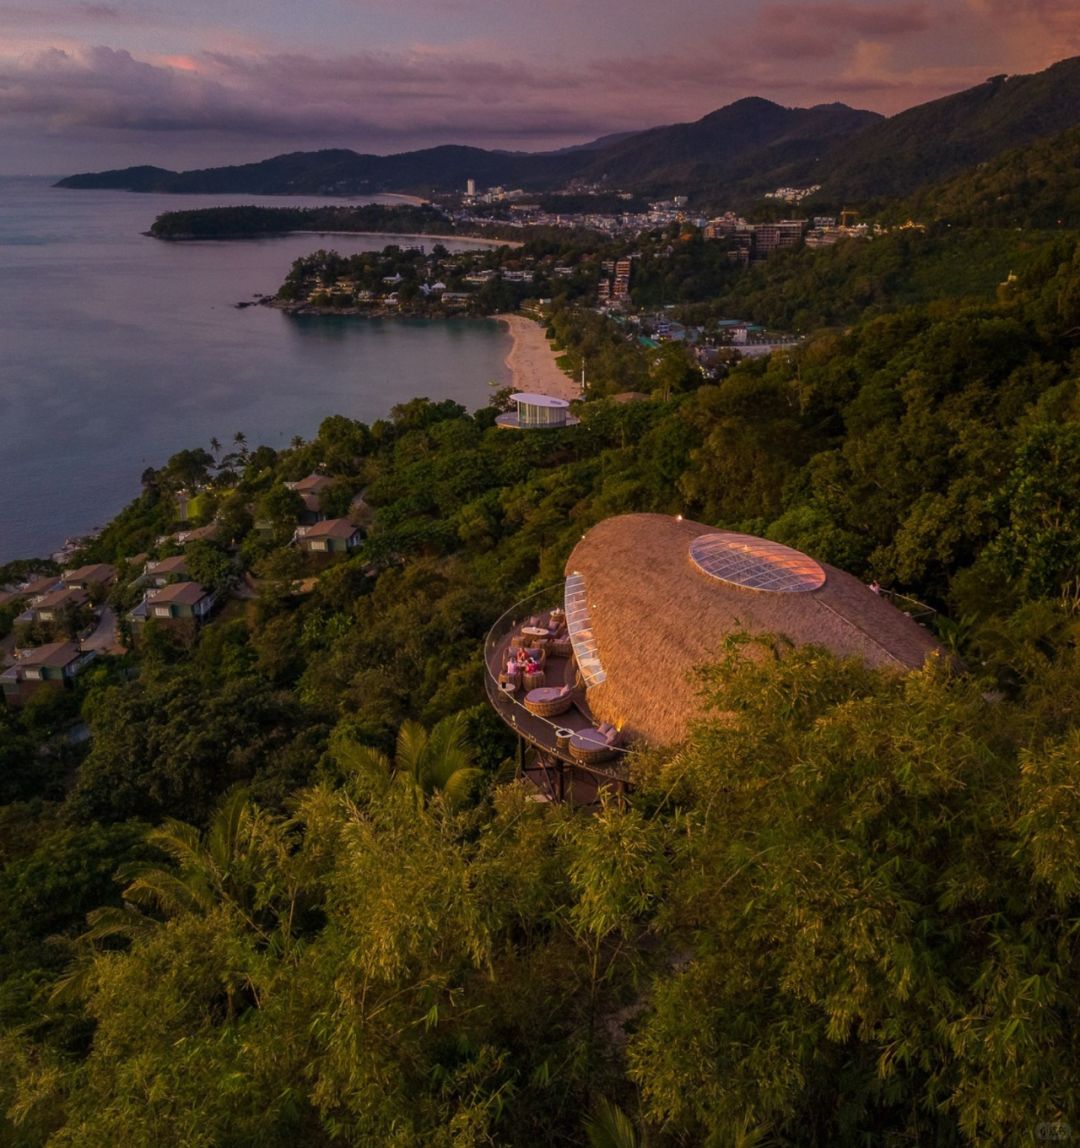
{"x": 238, "y": 222}
{"x": 751, "y": 140}
{"x": 729, "y": 156}
{"x": 274, "y": 883}
{"x": 933, "y": 141}
{"x": 329, "y": 172}
{"x": 1033, "y": 186}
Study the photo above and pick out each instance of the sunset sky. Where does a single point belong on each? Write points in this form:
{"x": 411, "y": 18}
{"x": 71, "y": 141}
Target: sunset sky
{"x": 88, "y": 84}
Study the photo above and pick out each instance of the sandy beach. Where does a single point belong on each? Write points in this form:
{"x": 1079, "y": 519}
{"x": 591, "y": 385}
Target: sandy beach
{"x": 532, "y": 361}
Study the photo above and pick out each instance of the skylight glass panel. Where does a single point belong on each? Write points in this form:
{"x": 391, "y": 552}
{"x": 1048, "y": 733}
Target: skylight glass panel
{"x": 755, "y": 564}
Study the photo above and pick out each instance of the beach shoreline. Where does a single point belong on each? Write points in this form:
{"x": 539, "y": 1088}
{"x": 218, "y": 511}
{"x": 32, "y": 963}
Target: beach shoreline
{"x": 532, "y": 361}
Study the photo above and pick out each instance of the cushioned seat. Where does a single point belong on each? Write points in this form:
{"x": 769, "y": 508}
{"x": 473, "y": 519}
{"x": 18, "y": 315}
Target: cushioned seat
{"x": 548, "y": 701}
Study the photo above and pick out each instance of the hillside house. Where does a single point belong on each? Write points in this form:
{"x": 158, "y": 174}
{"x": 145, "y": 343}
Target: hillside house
{"x": 331, "y": 536}
{"x": 54, "y": 666}
{"x": 182, "y": 606}
{"x": 310, "y": 490}
{"x": 68, "y": 607}
{"x": 85, "y": 577}
{"x": 166, "y": 570}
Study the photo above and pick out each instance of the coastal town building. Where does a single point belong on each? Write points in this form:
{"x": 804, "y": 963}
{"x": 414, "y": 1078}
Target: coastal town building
{"x": 768, "y": 238}
{"x": 42, "y": 584}
{"x": 793, "y": 194}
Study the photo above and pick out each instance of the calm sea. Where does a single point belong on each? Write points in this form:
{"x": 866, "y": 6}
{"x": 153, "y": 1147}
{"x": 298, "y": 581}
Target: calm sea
{"x": 117, "y": 350}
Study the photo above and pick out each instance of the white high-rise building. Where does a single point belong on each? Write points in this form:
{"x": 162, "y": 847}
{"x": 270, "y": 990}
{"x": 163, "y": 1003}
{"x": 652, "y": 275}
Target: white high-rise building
{"x": 470, "y": 187}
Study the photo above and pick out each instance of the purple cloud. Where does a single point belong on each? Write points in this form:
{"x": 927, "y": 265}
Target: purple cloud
{"x": 862, "y": 19}
{"x": 503, "y": 91}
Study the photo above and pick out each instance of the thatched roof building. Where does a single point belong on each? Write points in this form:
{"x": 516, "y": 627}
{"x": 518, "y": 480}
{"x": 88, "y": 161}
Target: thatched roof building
{"x": 650, "y": 597}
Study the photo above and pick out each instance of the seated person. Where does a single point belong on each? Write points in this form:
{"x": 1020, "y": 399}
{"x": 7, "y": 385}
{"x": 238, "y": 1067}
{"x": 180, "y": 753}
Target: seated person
{"x": 513, "y": 668}
{"x": 522, "y": 657}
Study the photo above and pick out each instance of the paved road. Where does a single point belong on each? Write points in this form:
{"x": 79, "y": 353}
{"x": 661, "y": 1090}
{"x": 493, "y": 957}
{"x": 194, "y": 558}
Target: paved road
{"x": 104, "y": 638}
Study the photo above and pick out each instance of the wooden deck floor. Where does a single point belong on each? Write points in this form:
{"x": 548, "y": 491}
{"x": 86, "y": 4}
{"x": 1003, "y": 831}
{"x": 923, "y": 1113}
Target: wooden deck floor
{"x": 579, "y": 784}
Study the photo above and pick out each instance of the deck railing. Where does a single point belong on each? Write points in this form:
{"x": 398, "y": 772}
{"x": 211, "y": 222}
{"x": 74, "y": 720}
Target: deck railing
{"x": 540, "y": 731}
{"x": 911, "y": 606}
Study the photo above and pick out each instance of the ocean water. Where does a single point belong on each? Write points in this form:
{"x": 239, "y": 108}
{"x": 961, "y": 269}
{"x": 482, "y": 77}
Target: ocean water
{"x": 117, "y": 350}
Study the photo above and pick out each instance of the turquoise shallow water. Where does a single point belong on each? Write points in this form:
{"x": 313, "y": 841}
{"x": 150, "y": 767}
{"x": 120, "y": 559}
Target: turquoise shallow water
{"x": 117, "y": 350}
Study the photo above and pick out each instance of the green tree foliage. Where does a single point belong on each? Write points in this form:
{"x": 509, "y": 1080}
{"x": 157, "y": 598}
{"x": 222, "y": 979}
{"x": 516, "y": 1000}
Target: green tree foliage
{"x": 280, "y": 508}
{"x": 842, "y": 912}
{"x": 425, "y": 763}
{"x": 233, "y": 222}
{"x": 172, "y": 741}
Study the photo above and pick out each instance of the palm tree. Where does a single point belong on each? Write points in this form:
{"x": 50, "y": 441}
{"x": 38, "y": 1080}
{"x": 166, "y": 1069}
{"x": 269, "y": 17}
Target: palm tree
{"x": 426, "y": 762}
{"x": 607, "y": 1126}
{"x": 225, "y": 867}
{"x": 215, "y": 447}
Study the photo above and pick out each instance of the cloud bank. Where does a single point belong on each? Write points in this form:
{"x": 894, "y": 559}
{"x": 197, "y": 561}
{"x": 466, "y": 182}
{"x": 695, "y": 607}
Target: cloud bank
{"x": 145, "y": 105}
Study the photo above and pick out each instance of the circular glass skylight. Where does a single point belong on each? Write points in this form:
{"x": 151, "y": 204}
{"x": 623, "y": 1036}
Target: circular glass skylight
{"x": 755, "y": 564}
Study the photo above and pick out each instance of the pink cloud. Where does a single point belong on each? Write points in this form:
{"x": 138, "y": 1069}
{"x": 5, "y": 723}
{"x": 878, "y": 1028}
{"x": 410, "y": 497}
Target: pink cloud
{"x": 835, "y": 16}
{"x": 486, "y": 92}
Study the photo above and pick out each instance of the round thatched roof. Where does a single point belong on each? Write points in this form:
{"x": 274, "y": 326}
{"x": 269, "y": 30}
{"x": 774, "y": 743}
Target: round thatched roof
{"x": 655, "y": 612}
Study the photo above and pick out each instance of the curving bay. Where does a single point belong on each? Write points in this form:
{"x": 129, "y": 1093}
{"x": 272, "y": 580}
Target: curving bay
{"x": 116, "y": 350}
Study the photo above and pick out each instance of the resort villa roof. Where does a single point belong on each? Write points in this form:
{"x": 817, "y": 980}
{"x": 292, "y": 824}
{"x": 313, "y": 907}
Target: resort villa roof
{"x": 537, "y": 400}
{"x": 42, "y": 584}
{"x": 312, "y": 484}
{"x": 330, "y": 528}
{"x": 650, "y": 597}
{"x": 174, "y": 564}
{"x": 97, "y": 572}
{"x": 185, "y": 593}
{"x": 55, "y": 655}
{"x": 68, "y": 595}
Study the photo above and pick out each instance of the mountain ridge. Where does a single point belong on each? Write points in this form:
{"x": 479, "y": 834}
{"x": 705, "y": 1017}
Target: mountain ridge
{"x": 717, "y": 147}
{"x": 730, "y": 156}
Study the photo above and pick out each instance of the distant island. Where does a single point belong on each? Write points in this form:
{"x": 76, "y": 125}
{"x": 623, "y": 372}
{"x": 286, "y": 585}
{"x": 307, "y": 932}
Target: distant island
{"x": 247, "y": 221}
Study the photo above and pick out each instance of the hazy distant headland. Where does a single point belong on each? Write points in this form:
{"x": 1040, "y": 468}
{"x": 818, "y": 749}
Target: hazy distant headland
{"x": 737, "y": 152}
{"x": 243, "y": 222}
{"x": 248, "y": 222}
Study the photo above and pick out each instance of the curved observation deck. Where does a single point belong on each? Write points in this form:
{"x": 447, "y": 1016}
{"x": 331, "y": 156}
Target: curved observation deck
{"x": 557, "y": 771}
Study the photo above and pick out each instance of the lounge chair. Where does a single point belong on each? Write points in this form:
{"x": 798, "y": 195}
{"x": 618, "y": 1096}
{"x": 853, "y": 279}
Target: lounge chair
{"x": 549, "y": 701}
{"x": 592, "y": 746}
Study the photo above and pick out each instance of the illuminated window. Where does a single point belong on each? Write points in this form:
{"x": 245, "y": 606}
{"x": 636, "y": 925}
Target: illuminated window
{"x": 579, "y": 625}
